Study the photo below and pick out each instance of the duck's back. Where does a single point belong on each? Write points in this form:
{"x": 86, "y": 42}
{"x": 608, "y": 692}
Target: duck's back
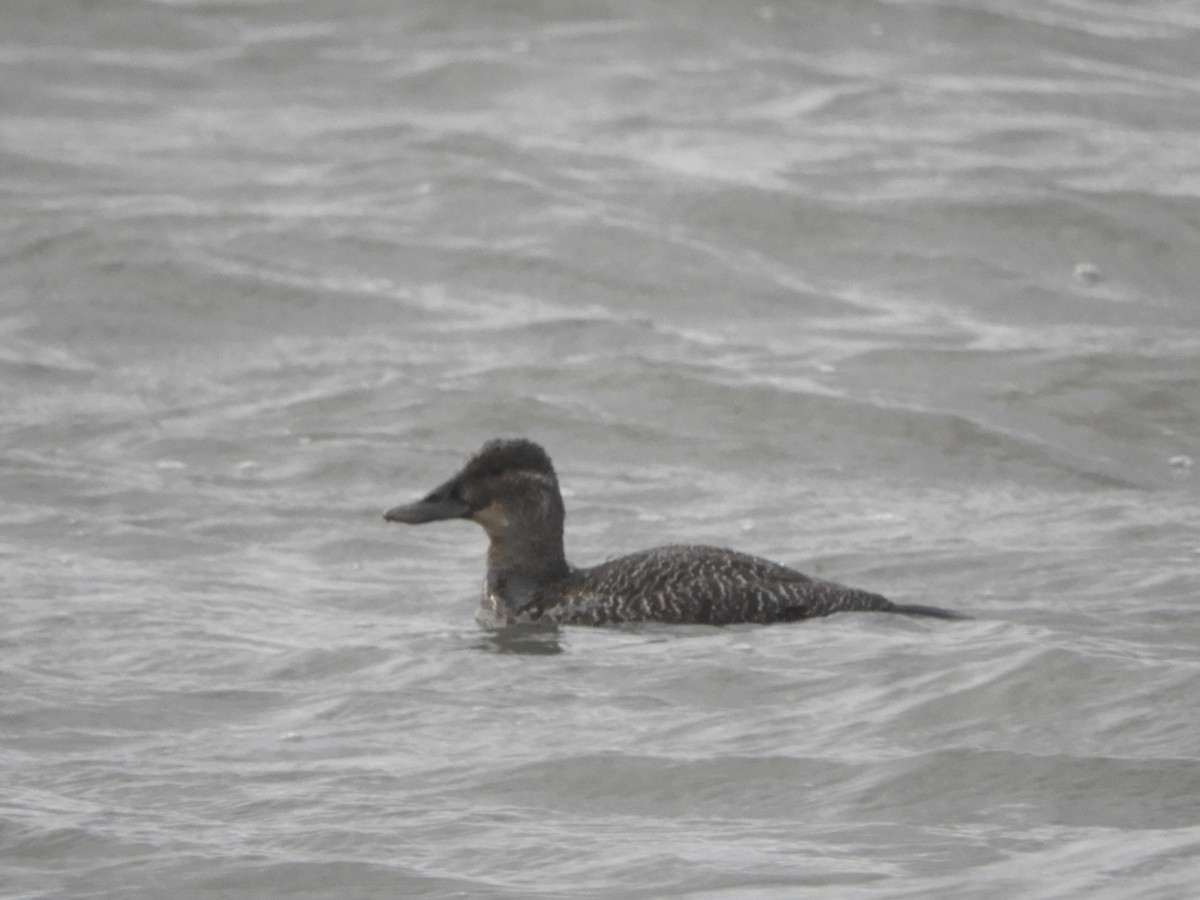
{"x": 692, "y": 585}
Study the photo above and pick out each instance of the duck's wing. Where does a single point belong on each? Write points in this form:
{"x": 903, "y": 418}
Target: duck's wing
{"x": 693, "y": 585}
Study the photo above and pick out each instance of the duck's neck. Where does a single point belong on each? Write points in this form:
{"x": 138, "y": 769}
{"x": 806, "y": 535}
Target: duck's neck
{"x": 518, "y": 566}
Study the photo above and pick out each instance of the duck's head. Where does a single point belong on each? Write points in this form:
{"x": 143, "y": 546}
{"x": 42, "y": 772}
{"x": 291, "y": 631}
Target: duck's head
{"x": 509, "y": 487}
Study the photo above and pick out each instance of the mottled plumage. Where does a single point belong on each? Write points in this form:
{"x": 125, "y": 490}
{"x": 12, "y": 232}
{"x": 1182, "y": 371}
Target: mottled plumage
{"x": 509, "y": 488}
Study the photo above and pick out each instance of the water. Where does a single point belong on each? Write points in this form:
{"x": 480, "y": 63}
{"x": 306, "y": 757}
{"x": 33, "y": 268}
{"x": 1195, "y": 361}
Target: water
{"x": 900, "y": 293}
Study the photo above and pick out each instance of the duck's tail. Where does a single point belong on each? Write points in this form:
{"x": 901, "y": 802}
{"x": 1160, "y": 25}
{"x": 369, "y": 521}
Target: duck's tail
{"x": 916, "y": 609}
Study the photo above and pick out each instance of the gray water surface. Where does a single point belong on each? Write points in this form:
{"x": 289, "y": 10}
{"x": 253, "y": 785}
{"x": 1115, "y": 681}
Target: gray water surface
{"x": 900, "y": 293}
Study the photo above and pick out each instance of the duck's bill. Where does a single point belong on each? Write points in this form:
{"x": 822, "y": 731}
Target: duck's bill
{"x": 437, "y": 506}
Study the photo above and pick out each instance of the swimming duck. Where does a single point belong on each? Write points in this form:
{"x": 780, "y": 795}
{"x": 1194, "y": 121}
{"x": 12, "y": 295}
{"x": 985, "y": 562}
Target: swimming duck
{"x": 510, "y": 489}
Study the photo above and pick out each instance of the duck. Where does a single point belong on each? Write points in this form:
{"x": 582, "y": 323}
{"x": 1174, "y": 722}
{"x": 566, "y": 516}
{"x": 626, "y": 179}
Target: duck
{"x": 510, "y": 489}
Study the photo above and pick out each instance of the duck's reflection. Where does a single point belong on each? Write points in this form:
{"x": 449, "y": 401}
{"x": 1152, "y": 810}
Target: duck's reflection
{"x": 525, "y": 640}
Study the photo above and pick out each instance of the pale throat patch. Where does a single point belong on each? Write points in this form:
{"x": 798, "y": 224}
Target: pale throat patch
{"x": 491, "y": 516}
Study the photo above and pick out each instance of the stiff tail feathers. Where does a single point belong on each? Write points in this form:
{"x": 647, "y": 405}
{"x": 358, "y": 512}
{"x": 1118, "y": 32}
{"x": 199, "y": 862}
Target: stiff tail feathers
{"x": 916, "y": 609}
